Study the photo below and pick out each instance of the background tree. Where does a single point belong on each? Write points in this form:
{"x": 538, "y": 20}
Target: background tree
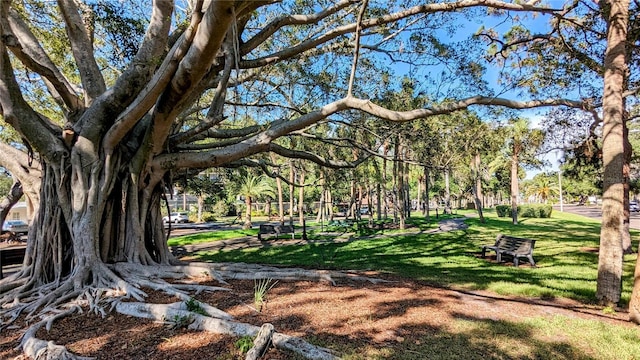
{"x": 251, "y": 187}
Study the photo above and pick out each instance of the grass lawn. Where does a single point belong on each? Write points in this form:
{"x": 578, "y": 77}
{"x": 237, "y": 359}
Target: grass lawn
{"x": 566, "y": 255}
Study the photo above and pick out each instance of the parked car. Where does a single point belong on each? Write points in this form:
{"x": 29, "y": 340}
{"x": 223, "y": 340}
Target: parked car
{"x": 17, "y": 227}
{"x": 176, "y": 217}
{"x": 633, "y": 206}
{"x": 364, "y": 210}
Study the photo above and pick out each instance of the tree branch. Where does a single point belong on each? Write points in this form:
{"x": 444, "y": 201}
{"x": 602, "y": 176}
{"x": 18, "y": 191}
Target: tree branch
{"x": 283, "y": 21}
{"x": 428, "y": 8}
{"x": 32, "y": 55}
{"x": 305, "y": 155}
{"x": 38, "y": 131}
{"x": 155, "y": 40}
{"x": 82, "y": 47}
{"x": 356, "y": 48}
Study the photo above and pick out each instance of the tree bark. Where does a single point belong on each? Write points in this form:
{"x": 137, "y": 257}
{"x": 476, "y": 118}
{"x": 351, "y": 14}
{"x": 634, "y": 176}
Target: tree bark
{"x": 514, "y": 185}
{"x": 292, "y": 177}
{"x": 609, "y": 282}
{"x": 626, "y": 174}
{"x": 447, "y": 191}
{"x": 477, "y": 186}
{"x": 301, "y": 199}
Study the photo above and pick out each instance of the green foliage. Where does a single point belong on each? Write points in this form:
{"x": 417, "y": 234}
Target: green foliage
{"x": 260, "y": 289}
{"x": 244, "y": 344}
{"x": 194, "y": 306}
{"x": 503, "y": 210}
{"x": 535, "y": 210}
{"x": 208, "y": 216}
{"x": 223, "y": 208}
{"x": 5, "y": 184}
{"x": 180, "y": 321}
{"x": 526, "y": 210}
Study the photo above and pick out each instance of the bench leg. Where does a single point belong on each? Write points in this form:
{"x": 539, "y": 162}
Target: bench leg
{"x": 484, "y": 252}
{"x": 516, "y": 262}
{"x": 498, "y": 256}
{"x": 533, "y": 263}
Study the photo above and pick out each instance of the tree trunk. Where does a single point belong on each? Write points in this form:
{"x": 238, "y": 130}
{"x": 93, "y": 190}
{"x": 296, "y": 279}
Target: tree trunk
{"x": 609, "y": 283}
{"x": 447, "y": 192}
{"x": 291, "y": 192}
{"x": 477, "y": 187}
{"x": 514, "y": 186}
{"x": 626, "y": 175}
{"x": 301, "y": 199}
{"x": 247, "y": 215}
{"x": 267, "y": 207}
{"x": 280, "y": 200}
{"x": 280, "y": 194}
{"x": 200, "y": 205}
{"x": 426, "y": 192}
{"x": 401, "y": 206}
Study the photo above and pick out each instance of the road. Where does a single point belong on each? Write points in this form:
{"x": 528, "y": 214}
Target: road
{"x": 595, "y": 212}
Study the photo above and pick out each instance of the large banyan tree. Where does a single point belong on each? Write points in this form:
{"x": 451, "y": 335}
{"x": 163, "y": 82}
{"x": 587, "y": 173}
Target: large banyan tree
{"x": 112, "y": 100}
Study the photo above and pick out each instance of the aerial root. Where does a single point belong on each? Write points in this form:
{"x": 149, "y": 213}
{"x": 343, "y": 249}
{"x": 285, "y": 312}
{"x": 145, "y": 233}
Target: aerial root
{"x": 167, "y": 313}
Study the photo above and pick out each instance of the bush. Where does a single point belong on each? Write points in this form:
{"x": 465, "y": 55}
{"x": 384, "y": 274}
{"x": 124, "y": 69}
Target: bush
{"x": 223, "y": 208}
{"x": 208, "y": 216}
{"x": 526, "y": 210}
{"x": 535, "y": 211}
{"x": 503, "y": 210}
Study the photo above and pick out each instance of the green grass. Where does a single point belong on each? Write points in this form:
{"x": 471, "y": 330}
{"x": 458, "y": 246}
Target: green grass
{"x": 567, "y": 264}
{"x": 211, "y": 236}
{"x": 537, "y": 338}
{"x": 567, "y": 267}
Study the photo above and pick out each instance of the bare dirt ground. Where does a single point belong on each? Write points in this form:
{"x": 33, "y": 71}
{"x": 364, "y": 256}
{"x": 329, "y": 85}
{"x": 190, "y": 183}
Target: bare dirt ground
{"x": 352, "y": 314}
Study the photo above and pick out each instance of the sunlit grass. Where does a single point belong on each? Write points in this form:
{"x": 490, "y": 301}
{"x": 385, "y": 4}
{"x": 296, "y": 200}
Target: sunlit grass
{"x": 565, "y": 253}
{"x": 211, "y": 236}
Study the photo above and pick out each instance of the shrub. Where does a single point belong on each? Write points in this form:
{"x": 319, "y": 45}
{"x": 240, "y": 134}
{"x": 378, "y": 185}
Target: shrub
{"x": 223, "y": 208}
{"x": 526, "y": 210}
{"x": 535, "y": 210}
{"x": 208, "y": 216}
{"x": 503, "y": 210}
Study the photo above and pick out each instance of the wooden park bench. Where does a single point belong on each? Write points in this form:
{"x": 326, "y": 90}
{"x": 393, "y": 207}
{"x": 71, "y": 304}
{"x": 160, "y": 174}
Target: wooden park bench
{"x": 267, "y": 229}
{"x": 11, "y": 256}
{"x": 515, "y": 247}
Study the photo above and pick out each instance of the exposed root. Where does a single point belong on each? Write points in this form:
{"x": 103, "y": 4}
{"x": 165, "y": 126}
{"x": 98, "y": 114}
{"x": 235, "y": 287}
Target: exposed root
{"x": 38, "y": 349}
{"x": 245, "y": 271}
{"x": 108, "y": 285}
{"x": 162, "y": 312}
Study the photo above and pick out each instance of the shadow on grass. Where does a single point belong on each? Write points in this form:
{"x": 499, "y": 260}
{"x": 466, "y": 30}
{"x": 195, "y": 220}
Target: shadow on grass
{"x": 473, "y": 338}
{"x": 566, "y": 265}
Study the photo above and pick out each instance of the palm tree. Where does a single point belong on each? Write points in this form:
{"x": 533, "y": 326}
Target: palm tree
{"x": 542, "y": 187}
{"x": 252, "y": 186}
